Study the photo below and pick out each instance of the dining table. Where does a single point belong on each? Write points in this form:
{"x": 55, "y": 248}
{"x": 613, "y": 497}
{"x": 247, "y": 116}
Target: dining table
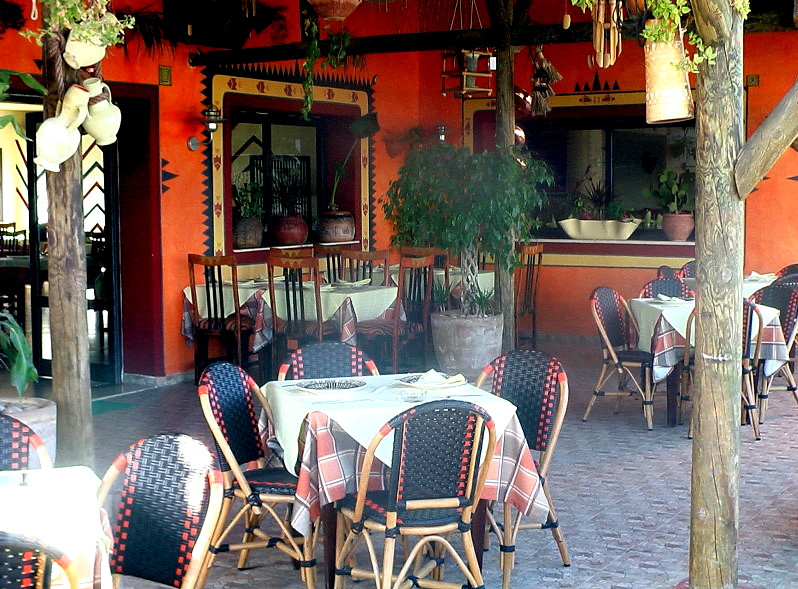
{"x": 58, "y": 506}
{"x": 751, "y": 283}
{"x": 662, "y": 327}
{"x": 343, "y": 304}
{"x": 335, "y": 427}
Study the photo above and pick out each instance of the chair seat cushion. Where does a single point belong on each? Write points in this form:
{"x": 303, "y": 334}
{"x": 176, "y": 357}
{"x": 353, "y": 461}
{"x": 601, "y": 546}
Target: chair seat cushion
{"x": 636, "y": 356}
{"x": 377, "y": 327}
{"x": 375, "y": 509}
{"x": 273, "y": 481}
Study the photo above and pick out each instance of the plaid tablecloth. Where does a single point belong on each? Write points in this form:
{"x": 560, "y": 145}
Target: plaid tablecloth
{"x": 78, "y": 526}
{"x": 330, "y": 463}
{"x": 341, "y": 306}
{"x": 667, "y": 342}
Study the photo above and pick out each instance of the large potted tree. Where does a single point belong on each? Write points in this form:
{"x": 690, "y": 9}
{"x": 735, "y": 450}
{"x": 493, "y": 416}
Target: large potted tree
{"x": 448, "y": 198}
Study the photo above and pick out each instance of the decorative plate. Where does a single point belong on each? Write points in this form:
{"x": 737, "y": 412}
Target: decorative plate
{"x": 330, "y": 384}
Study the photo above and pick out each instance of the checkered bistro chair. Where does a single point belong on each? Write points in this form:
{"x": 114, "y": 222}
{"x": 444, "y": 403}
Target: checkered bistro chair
{"x": 668, "y": 272}
{"x": 671, "y": 287}
{"x": 27, "y": 562}
{"x": 618, "y": 334}
{"x": 170, "y": 500}
{"x": 326, "y": 360}
{"x": 785, "y": 299}
{"x": 415, "y": 294}
{"x": 751, "y": 338}
{"x": 527, "y": 278}
{"x": 359, "y": 265}
{"x": 16, "y": 442}
{"x": 226, "y": 396}
{"x": 435, "y": 483}
{"x": 536, "y": 384}
{"x": 223, "y": 321}
{"x": 787, "y": 271}
{"x": 688, "y": 270}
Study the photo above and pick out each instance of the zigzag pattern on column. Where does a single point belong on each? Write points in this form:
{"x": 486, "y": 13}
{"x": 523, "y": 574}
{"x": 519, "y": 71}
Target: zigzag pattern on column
{"x": 207, "y": 180}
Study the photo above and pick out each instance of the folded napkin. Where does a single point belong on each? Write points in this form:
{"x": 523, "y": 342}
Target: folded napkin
{"x": 433, "y": 378}
{"x": 762, "y": 277}
{"x": 667, "y": 299}
{"x": 364, "y": 282}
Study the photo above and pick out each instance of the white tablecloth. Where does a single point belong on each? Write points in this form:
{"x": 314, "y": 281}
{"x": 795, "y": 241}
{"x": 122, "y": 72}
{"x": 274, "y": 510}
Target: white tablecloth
{"x": 59, "y": 507}
{"x": 751, "y": 284}
{"x": 361, "y": 413}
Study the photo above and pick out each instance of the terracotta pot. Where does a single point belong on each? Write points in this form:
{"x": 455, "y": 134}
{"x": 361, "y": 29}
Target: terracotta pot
{"x": 247, "y": 233}
{"x": 336, "y": 226}
{"x": 334, "y": 9}
{"x": 678, "y": 227}
{"x": 668, "y": 96}
{"x": 288, "y": 230}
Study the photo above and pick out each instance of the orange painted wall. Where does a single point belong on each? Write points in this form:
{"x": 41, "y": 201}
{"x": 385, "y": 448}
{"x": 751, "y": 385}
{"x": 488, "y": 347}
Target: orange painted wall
{"x": 407, "y": 94}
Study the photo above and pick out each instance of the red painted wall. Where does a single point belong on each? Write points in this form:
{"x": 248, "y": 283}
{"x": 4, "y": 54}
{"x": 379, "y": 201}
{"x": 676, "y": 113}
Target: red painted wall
{"x": 407, "y": 94}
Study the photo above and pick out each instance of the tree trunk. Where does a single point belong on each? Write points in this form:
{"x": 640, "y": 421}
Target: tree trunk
{"x": 719, "y": 253}
{"x": 505, "y": 139}
{"x": 66, "y": 256}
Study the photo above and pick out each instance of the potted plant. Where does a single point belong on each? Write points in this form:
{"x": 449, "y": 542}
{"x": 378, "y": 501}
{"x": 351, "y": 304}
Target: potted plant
{"x": 335, "y": 225}
{"x": 15, "y": 356}
{"x": 248, "y": 201}
{"x": 677, "y": 204}
{"x": 90, "y": 25}
{"x": 596, "y": 213}
{"x": 448, "y": 198}
{"x": 288, "y": 226}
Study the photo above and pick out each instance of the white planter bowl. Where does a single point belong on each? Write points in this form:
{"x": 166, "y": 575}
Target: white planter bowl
{"x": 594, "y": 229}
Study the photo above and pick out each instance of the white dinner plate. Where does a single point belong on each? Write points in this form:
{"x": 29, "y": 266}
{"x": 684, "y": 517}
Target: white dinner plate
{"x": 412, "y": 381}
{"x": 326, "y": 385}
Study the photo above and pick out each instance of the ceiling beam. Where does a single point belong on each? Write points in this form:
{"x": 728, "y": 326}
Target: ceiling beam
{"x": 433, "y": 41}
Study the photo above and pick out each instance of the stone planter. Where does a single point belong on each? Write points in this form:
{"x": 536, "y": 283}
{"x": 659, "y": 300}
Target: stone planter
{"x": 465, "y": 345}
{"x": 38, "y": 414}
{"x": 596, "y": 229}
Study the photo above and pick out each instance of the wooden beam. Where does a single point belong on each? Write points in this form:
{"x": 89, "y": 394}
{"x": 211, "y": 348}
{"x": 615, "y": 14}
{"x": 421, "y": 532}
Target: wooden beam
{"x": 776, "y": 133}
{"x": 434, "y": 41}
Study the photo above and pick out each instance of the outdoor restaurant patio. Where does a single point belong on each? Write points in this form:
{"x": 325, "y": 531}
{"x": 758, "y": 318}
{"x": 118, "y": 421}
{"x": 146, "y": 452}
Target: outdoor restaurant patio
{"x": 622, "y": 493}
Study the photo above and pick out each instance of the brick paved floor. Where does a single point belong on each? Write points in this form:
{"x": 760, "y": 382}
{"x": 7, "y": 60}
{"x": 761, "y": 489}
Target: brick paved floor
{"x": 622, "y": 492}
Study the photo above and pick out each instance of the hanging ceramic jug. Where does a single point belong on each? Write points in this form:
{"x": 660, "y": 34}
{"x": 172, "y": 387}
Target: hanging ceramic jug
{"x": 80, "y": 54}
{"x": 58, "y": 137}
{"x": 104, "y": 117}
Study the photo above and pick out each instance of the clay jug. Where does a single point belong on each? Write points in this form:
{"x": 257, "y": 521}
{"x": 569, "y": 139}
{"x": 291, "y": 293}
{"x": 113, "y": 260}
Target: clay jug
{"x": 80, "y": 54}
{"x": 58, "y": 137}
{"x": 104, "y": 117}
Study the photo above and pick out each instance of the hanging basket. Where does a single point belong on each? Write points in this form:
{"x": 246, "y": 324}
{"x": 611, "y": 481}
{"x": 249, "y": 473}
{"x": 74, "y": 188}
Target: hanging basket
{"x": 334, "y": 9}
{"x": 668, "y": 96}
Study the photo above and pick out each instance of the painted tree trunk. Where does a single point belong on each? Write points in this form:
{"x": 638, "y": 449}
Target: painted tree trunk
{"x": 67, "y": 291}
{"x": 719, "y": 252}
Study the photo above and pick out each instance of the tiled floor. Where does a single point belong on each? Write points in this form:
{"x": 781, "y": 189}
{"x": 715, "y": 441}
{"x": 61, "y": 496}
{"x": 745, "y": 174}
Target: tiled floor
{"x": 622, "y": 492}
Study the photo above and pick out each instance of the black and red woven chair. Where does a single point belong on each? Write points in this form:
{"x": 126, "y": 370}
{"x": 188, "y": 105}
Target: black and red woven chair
{"x": 16, "y": 441}
{"x": 227, "y": 395}
{"x": 785, "y": 299}
{"x": 326, "y": 360}
{"x": 26, "y": 562}
{"x": 688, "y": 270}
{"x": 788, "y": 270}
{"x": 537, "y": 385}
{"x": 170, "y": 500}
{"x": 666, "y": 271}
{"x": 618, "y": 334}
{"x": 669, "y": 287}
{"x": 435, "y": 483}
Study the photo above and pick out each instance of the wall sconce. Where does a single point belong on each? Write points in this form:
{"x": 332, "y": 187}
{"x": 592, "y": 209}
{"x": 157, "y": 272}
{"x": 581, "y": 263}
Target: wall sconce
{"x": 211, "y": 118}
{"x": 441, "y": 130}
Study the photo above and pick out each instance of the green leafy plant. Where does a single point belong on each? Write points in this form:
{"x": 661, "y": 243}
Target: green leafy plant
{"x": 483, "y": 301}
{"x": 441, "y": 294}
{"x": 666, "y": 19}
{"x": 5, "y": 84}
{"x": 593, "y": 200}
{"x": 671, "y": 193}
{"x": 85, "y": 20}
{"x": 361, "y": 128}
{"x": 248, "y": 200}
{"x": 336, "y": 57}
{"x": 15, "y": 353}
{"x": 448, "y": 198}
